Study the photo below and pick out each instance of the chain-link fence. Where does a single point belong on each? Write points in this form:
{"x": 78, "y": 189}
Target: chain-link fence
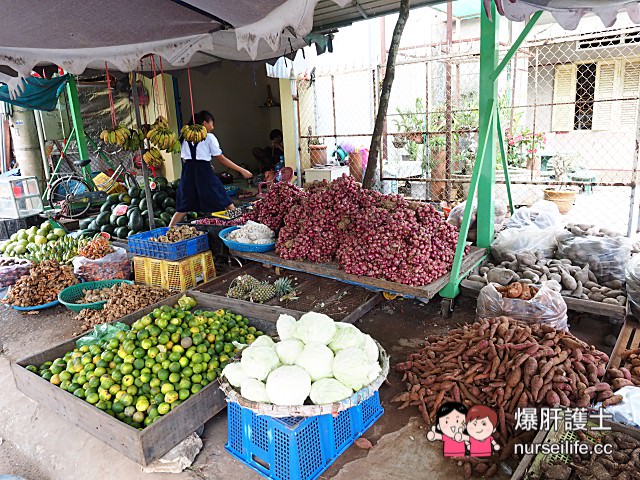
{"x": 568, "y": 112}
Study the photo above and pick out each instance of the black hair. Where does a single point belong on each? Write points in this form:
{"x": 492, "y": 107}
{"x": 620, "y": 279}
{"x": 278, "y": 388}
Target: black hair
{"x": 446, "y": 408}
{"x": 204, "y": 116}
{"x": 275, "y": 133}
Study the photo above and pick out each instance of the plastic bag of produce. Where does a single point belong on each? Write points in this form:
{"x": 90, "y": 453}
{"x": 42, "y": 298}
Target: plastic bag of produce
{"x": 632, "y": 277}
{"x": 113, "y": 266}
{"x": 607, "y": 257}
{"x": 529, "y": 239}
{"x": 11, "y": 269}
{"x": 546, "y": 307}
{"x": 457, "y": 213}
{"x": 101, "y": 333}
{"x": 542, "y": 214}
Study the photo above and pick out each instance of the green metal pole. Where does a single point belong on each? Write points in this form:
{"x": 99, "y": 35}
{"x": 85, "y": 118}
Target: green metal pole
{"x": 516, "y": 45}
{"x": 488, "y": 98}
{"x": 452, "y": 289}
{"x": 76, "y": 118}
{"x": 503, "y": 155}
{"x": 484, "y": 169}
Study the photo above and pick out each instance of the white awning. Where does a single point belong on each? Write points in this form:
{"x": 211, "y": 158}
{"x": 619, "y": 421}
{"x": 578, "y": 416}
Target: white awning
{"x": 81, "y": 34}
{"x": 568, "y": 12}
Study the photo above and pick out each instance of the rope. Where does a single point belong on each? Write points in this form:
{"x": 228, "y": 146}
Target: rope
{"x": 156, "y": 99}
{"x": 164, "y": 88}
{"x": 193, "y": 113}
{"x": 112, "y": 107}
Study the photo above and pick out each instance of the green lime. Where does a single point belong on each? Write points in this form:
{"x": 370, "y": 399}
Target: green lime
{"x": 164, "y": 408}
{"x": 183, "y": 394}
{"x": 171, "y": 396}
{"x": 93, "y": 398}
{"x": 163, "y": 374}
{"x": 167, "y": 387}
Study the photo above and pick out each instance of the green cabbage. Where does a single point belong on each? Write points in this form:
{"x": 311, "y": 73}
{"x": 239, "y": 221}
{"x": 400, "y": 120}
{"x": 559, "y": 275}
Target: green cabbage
{"x": 314, "y": 327}
{"x": 329, "y": 390}
{"x": 347, "y": 336}
{"x": 289, "y": 350}
{"x": 286, "y": 326}
{"x": 258, "y": 362}
{"x": 317, "y": 359}
{"x": 352, "y": 367}
{"x": 234, "y": 374}
{"x": 254, "y": 390}
{"x": 263, "y": 341}
{"x": 288, "y": 385}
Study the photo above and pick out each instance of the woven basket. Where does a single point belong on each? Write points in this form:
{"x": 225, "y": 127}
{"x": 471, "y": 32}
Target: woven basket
{"x": 283, "y": 411}
{"x": 71, "y": 294}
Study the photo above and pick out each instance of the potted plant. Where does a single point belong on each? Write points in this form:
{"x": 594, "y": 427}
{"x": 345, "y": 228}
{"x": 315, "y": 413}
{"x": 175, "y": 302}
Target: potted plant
{"x": 563, "y": 196}
{"x": 317, "y": 151}
{"x": 410, "y": 125}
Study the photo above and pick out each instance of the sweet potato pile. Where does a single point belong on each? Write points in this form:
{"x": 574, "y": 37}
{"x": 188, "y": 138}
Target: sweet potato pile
{"x": 622, "y": 464}
{"x": 520, "y": 290}
{"x": 503, "y": 364}
{"x": 629, "y": 373}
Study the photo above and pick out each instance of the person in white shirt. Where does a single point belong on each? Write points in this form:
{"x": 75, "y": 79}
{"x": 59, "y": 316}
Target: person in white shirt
{"x": 200, "y": 189}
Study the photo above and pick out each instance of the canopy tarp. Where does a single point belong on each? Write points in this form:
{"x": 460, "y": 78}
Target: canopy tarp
{"x": 568, "y": 12}
{"x": 37, "y": 93}
{"x": 81, "y": 34}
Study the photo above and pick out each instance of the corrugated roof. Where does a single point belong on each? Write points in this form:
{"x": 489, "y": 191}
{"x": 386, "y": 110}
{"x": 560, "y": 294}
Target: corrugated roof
{"x": 328, "y": 15}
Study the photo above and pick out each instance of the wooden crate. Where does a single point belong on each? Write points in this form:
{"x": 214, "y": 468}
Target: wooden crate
{"x": 529, "y": 466}
{"x": 330, "y": 270}
{"x": 342, "y": 302}
{"x": 142, "y": 446}
{"x": 471, "y": 288}
{"x": 628, "y": 339}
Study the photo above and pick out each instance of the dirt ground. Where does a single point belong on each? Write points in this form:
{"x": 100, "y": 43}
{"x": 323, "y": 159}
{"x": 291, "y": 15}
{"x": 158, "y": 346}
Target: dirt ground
{"x": 39, "y": 446}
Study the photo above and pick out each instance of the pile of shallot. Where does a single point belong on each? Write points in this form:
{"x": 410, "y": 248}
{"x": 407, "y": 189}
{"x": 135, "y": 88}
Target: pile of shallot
{"x": 367, "y": 233}
{"x": 276, "y": 203}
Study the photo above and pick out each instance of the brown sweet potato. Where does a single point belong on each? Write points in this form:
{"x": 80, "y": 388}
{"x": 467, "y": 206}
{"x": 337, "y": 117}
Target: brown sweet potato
{"x": 614, "y": 400}
{"x": 552, "y": 399}
{"x": 514, "y": 377}
{"x": 618, "y": 383}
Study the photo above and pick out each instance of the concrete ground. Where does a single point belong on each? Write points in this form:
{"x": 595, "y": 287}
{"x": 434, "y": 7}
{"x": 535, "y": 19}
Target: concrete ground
{"x": 38, "y": 445}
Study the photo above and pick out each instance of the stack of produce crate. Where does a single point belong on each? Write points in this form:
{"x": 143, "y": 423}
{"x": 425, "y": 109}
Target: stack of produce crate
{"x": 173, "y": 266}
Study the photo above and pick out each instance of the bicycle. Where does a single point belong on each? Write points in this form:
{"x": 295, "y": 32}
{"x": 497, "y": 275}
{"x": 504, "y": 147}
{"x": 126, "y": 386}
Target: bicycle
{"x": 74, "y": 194}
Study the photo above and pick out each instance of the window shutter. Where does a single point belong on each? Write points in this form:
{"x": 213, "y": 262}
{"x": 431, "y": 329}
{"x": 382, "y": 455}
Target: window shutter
{"x": 564, "y": 97}
{"x": 630, "y": 91}
{"x": 603, "y": 110}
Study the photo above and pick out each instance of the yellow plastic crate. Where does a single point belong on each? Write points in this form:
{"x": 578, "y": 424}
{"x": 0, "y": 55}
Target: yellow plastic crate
{"x": 174, "y": 276}
{"x": 102, "y": 179}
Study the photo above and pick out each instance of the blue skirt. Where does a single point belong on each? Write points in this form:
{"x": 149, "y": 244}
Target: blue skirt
{"x": 200, "y": 189}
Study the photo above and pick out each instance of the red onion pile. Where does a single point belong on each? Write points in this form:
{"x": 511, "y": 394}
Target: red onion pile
{"x": 277, "y": 202}
{"x": 367, "y": 233}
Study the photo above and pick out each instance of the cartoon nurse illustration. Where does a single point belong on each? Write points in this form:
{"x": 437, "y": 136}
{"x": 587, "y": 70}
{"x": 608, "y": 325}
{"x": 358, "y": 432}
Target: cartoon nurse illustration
{"x": 481, "y": 423}
{"x": 450, "y": 419}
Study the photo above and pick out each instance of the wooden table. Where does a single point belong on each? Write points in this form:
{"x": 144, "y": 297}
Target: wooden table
{"x": 330, "y": 270}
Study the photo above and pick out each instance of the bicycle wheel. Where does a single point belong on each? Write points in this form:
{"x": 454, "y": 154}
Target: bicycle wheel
{"x": 61, "y": 196}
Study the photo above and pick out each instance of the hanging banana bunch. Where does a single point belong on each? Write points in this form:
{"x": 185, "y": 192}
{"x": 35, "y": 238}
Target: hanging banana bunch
{"x": 117, "y": 136}
{"x": 134, "y": 142}
{"x": 153, "y": 157}
{"x": 176, "y": 147}
{"x": 194, "y": 133}
{"x": 161, "y": 135}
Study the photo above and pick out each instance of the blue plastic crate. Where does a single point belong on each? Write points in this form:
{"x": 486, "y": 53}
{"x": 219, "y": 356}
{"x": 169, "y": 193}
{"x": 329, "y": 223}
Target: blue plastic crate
{"x": 139, "y": 244}
{"x": 296, "y": 448}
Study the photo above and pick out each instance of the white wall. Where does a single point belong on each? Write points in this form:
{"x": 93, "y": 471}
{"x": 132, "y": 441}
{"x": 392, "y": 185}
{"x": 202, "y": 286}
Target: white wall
{"x": 233, "y": 93}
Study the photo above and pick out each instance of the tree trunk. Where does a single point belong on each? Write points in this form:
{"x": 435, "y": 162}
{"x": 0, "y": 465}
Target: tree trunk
{"x": 385, "y": 93}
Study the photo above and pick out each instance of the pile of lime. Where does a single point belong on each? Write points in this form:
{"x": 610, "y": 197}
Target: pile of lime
{"x": 144, "y": 373}
{"x": 18, "y": 242}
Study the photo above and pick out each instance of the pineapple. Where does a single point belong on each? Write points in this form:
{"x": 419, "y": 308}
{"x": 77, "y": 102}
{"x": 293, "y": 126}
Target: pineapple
{"x": 263, "y": 292}
{"x": 241, "y": 286}
{"x": 247, "y": 282}
{"x": 284, "y": 286}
